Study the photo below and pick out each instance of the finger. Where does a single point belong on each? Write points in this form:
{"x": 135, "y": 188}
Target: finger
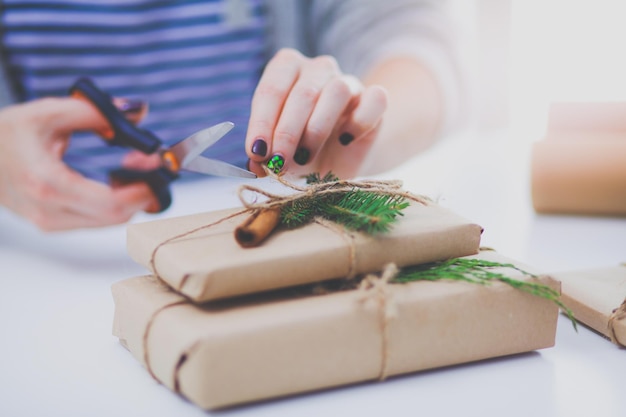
{"x": 136, "y": 197}
{"x": 133, "y": 110}
{"x": 56, "y": 219}
{"x": 67, "y": 114}
{"x": 345, "y": 161}
{"x": 329, "y": 111}
{"x": 122, "y": 203}
{"x": 269, "y": 97}
{"x": 118, "y": 204}
{"x": 299, "y": 106}
{"x": 366, "y": 116}
{"x": 257, "y": 168}
{"x": 54, "y": 216}
{"x": 63, "y": 115}
{"x": 100, "y": 202}
{"x": 140, "y": 161}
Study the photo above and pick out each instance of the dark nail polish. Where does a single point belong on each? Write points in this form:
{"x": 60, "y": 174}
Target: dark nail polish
{"x": 302, "y": 156}
{"x": 259, "y": 147}
{"x": 132, "y": 106}
{"x": 346, "y": 138}
{"x": 276, "y": 163}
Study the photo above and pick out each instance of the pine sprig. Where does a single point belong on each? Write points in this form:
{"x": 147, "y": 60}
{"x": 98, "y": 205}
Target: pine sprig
{"x": 479, "y": 271}
{"x": 365, "y": 211}
{"x": 298, "y": 213}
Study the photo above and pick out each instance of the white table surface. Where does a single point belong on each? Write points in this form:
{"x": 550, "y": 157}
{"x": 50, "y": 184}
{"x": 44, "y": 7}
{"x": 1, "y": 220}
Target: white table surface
{"x": 58, "y": 357}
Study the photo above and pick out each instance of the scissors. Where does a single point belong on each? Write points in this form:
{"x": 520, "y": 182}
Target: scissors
{"x": 183, "y": 155}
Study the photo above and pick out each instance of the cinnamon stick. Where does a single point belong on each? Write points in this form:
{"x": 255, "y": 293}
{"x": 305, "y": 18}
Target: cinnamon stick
{"x": 257, "y": 227}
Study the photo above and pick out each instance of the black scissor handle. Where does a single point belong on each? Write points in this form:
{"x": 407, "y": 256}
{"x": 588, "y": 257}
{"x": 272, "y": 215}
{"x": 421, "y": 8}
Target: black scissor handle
{"x": 124, "y": 132}
{"x": 157, "y": 179}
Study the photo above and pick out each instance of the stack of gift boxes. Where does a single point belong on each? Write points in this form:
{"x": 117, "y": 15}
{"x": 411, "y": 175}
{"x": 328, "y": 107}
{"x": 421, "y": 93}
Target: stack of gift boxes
{"x": 223, "y": 325}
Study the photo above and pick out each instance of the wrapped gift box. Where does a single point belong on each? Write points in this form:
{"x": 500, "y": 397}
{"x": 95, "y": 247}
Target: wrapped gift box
{"x": 208, "y": 264}
{"x": 597, "y": 297}
{"x": 279, "y": 343}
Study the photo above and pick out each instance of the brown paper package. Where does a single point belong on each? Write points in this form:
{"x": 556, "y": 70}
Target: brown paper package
{"x": 580, "y": 166}
{"x": 209, "y": 264}
{"x": 240, "y": 352}
{"x": 592, "y": 295}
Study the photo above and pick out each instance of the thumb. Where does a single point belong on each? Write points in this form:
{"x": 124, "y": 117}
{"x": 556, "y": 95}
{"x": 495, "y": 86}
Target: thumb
{"x": 70, "y": 113}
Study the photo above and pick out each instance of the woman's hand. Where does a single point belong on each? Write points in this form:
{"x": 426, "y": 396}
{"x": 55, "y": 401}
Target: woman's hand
{"x": 307, "y": 116}
{"x": 36, "y": 184}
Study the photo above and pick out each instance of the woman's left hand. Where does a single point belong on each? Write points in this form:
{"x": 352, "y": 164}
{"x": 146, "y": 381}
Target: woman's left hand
{"x": 307, "y": 116}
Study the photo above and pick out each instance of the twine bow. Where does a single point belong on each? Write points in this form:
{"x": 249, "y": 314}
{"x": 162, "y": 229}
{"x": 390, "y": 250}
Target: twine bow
{"x": 266, "y": 214}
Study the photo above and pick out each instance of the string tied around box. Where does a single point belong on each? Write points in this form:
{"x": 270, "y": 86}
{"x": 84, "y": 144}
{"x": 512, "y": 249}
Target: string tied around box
{"x": 377, "y": 287}
{"x": 373, "y": 287}
{"x": 386, "y": 200}
{"x": 617, "y": 314}
{"x": 325, "y": 197}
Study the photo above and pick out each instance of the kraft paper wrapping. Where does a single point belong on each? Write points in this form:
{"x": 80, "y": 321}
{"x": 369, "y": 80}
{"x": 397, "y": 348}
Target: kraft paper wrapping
{"x": 595, "y": 297}
{"x": 580, "y": 166}
{"x": 229, "y": 352}
{"x": 209, "y": 264}
{"x": 579, "y": 177}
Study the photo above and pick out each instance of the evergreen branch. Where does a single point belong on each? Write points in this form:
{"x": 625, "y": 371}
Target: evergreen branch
{"x": 369, "y": 212}
{"x": 369, "y": 206}
{"x": 478, "y": 271}
{"x": 366, "y": 211}
{"x": 297, "y": 213}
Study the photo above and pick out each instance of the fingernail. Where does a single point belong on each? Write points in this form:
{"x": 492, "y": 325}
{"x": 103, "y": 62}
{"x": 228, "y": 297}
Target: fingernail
{"x": 346, "y": 138}
{"x": 131, "y": 106}
{"x": 276, "y": 163}
{"x": 259, "y": 147}
{"x": 302, "y": 156}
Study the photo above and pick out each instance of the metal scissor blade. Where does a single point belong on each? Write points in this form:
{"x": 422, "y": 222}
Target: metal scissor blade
{"x": 214, "y": 167}
{"x": 191, "y": 147}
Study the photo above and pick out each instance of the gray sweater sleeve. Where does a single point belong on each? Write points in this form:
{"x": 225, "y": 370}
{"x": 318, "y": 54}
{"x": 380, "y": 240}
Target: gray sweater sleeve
{"x": 359, "y": 33}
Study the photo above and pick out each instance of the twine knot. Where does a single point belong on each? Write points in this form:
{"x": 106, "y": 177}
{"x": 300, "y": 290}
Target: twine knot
{"x": 386, "y": 187}
{"x": 378, "y": 287}
{"x": 266, "y": 215}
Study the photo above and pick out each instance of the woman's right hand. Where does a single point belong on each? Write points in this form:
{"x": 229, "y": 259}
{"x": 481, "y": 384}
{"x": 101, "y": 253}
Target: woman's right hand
{"x": 36, "y": 184}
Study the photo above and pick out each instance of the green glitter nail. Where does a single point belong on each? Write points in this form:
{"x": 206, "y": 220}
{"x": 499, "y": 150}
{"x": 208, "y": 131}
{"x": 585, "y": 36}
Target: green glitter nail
{"x": 276, "y": 163}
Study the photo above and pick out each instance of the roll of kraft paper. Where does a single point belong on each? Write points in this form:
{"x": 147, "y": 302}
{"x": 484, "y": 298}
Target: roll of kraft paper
{"x": 579, "y": 176}
{"x": 580, "y": 166}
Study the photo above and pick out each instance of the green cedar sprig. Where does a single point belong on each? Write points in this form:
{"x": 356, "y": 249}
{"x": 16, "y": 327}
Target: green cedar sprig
{"x": 361, "y": 210}
{"x": 479, "y": 271}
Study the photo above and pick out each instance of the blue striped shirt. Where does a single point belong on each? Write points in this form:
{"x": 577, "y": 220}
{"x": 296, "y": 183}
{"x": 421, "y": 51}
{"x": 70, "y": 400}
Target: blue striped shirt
{"x": 195, "y": 62}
